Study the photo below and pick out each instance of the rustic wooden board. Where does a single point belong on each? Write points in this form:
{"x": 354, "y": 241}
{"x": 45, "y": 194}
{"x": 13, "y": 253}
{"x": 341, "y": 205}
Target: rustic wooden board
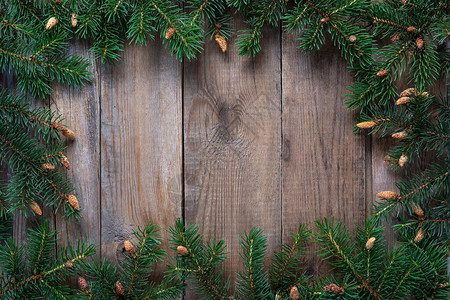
{"x": 141, "y": 144}
{"x": 232, "y": 126}
{"x": 323, "y": 161}
{"x": 81, "y": 112}
{"x": 383, "y": 178}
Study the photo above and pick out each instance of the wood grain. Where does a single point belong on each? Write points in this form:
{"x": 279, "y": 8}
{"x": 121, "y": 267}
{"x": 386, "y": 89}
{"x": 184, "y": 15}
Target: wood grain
{"x": 80, "y": 109}
{"x": 141, "y": 144}
{"x": 232, "y": 123}
{"x": 323, "y": 161}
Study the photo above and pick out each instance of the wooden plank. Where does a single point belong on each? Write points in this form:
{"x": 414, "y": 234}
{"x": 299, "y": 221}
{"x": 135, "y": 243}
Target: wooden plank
{"x": 141, "y": 144}
{"x": 384, "y": 178}
{"x": 80, "y": 109}
{"x": 232, "y": 124}
{"x": 323, "y": 161}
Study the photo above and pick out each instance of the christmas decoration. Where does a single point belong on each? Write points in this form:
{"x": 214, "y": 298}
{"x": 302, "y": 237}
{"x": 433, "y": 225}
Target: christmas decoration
{"x": 365, "y": 269}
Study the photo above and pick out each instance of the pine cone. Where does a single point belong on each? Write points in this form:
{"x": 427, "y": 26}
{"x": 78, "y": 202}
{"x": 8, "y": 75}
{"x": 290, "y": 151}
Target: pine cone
{"x": 74, "y": 20}
{"x": 221, "y": 41}
{"x": 411, "y": 29}
{"x": 334, "y": 288}
{"x": 73, "y": 201}
{"x": 367, "y": 124}
{"x": 382, "y": 73}
{"x": 395, "y": 38}
{"x": 425, "y": 94}
{"x": 388, "y": 195}
{"x": 419, "y": 236}
{"x": 64, "y": 161}
{"x": 388, "y": 161}
{"x": 51, "y": 23}
{"x": 399, "y": 135}
{"x": 69, "y": 134}
{"x": 170, "y": 32}
{"x": 48, "y": 166}
{"x": 419, "y": 43}
{"x": 129, "y": 248}
{"x": 82, "y": 283}
{"x": 419, "y": 211}
{"x": 408, "y": 92}
{"x": 35, "y": 207}
{"x": 352, "y": 39}
{"x": 402, "y": 100}
{"x": 65, "y": 131}
{"x": 402, "y": 160}
{"x": 370, "y": 243}
{"x": 324, "y": 20}
{"x": 295, "y": 295}
{"x": 69, "y": 264}
{"x": 183, "y": 251}
{"x": 119, "y": 288}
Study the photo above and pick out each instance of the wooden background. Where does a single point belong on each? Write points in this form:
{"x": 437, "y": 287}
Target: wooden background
{"x": 227, "y": 142}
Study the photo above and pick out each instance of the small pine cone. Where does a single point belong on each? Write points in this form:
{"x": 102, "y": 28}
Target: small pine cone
{"x": 35, "y": 207}
{"x": 64, "y": 161}
{"x": 324, "y": 20}
{"x": 65, "y": 131}
{"x": 402, "y": 100}
{"x": 73, "y": 201}
{"x": 367, "y": 124}
{"x": 419, "y": 43}
{"x": 170, "y": 32}
{"x": 183, "y": 251}
{"x": 352, "y": 39}
{"x": 408, "y": 92}
{"x": 69, "y": 134}
{"x": 388, "y": 195}
{"x": 51, "y": 23}
{"x": 334, "y": 288}
{"x": 419, "y": 211}
{"x": 58, "y": 126}
{"x": 74, "y": 20}
{"x": 221, "y": 41}
{"x": 129, "y": 248}
{"x": 402, "y": 160}
{"x": 404, "y": 2}
{"x": 419, "y": 236}
{"x": 119, "y": 288}
{"x": 370, "y": 243}
{"x": 399, "y": 135}
{"x": 382, "y": 73}
{"x": 411, "y": 29}
{"x": 69, "y": 264}
{"x": 425, "y": 94}
{"x": 395, "y": 37}
{"x": 295, "y": 295}
{"x": 82, "y": 283}
{"x": 388, "y": 161}
{"x": 48, "y": 166}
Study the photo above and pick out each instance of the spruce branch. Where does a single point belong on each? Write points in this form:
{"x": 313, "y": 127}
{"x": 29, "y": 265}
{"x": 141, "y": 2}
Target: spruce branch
{"x": 253, "y": 281}
{"x": 42, "y": 273}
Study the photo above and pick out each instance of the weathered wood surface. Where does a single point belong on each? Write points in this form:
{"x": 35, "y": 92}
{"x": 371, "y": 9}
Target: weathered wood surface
{"x": 232, "y": 128}
{"x": 140, "y": 144}
{"x": 324, "y": 163}
{"x": 227, "y": 142}
{"x": 81, "y": 111}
